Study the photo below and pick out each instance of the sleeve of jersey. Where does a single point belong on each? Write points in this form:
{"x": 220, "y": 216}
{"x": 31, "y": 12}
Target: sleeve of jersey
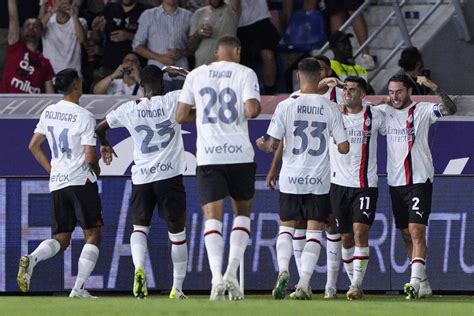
{"x": 338, "y": 131}
{"x": 40, "y": 128}
{"x": 88, "y": 136}
{"x": 187, "y": 95}
{"x": 251, "y": 87}
{"x": 276, "y": 129}
{"x": 380, "y": 116}
{"x": 116, "y": 117}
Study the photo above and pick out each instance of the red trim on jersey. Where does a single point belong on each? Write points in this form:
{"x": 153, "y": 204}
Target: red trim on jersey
{"x": 177, "y": 243}
{"x": 242, "y": 229}
{"x": 411, "y": 140}
{"x": 364, "y": 160}
{"x": 314, "y": 240}
{"x": 209, "y": 232}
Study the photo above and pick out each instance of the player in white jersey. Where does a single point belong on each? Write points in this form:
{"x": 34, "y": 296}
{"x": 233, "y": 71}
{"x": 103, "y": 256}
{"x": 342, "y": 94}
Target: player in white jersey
{"x": 354, "y": 181}
{"x": 330, "y": 88}
{"x": 73, "y": 171}
{"x": 410, "y": 169}
{"x": 226, "y": 95}
{"x": 305, "y": 123}
{"x": 157, "y": 174}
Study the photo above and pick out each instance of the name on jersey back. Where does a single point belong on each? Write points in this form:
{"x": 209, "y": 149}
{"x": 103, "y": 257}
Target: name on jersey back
{"x": 308, "y": 109}
{"x": 60, "y": 116}
{"x": 151, "y": 113}
{"x": 220, "y": 74}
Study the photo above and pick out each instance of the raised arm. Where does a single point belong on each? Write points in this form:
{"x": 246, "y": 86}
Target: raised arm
{"x": 14, "y": 23}
{"x": 81, "y": 33}
{"x": 447, "y": 107}
{"x": 35, "y": 147}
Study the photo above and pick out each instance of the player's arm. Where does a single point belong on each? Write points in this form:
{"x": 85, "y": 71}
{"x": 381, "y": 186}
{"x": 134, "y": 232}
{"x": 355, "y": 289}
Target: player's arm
{"x": 447, "y": 107}
{"x": 14, "y": 23}
{"x": 90, "y": 157}
{"x": 252, "y": 108}
{"x": 185, "y": 113}
{"x": 272, "y": 172}
{"x": 35, "y": 147}
{"x": 106, "y": 151}
{"x": 269, "y": 145}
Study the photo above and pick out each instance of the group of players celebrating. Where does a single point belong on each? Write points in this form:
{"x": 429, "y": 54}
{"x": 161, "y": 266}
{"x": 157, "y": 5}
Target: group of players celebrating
{"x": 328, "y": 178}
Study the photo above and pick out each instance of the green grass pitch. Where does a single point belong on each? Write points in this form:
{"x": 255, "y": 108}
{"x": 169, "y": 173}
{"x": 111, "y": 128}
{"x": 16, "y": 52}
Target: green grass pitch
{"x": 253, "y": 305}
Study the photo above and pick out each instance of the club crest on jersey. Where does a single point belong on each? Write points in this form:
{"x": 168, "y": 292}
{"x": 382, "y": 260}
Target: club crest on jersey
{"x": 410, "y": 118}
{"x": 368, "y": 121}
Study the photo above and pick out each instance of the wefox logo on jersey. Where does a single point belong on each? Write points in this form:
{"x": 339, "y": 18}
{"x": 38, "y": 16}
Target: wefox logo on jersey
{"x": 305, "y": 180}
{"x": 224, "y": 149}
{"x": 159, "y": 167}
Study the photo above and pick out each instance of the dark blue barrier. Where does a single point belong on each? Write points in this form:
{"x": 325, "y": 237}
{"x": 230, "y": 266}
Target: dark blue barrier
{"x": 25, "y": 221}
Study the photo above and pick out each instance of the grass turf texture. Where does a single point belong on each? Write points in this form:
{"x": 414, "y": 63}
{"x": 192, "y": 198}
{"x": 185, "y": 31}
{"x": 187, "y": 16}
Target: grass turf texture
{"x": 254, "y": 305}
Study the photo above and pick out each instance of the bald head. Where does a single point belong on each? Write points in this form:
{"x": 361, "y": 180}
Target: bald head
{"x": 228, "y": 49}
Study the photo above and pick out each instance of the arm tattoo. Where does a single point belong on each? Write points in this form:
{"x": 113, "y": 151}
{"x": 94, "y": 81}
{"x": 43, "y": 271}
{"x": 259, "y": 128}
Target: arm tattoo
{"x": 272, "y": 144}
{"x": 447, "y": 107}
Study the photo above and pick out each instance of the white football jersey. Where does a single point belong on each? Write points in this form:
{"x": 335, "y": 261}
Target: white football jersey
{"x": 306, "y": 123}
{"x": 218, "y": 91}
{"x": 68, "y": 127}
{"x": 408, "y": 153}
{"x": 333, "y": 94}
{"x": 158, "y": 150}
{"x": 358, "y": 169}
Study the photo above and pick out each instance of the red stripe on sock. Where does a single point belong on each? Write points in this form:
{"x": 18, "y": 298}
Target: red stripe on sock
{"x": 299, "y": 237}
{"x": 360, "y": 258}
{"x": 212, "y": 232}
{"x": 347, "y": 260}
{"x": 140, "y": 231}
{"x": 333, "y": 240}
{"x": 177, "y": 243}
{"x": 287, "y": 233}
{"x": 242, "y": 229}
{"x": 418, "y": 261}
{"x": 313, "y": 240}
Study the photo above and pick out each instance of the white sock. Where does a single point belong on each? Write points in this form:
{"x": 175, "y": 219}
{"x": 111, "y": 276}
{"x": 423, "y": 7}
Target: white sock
{"x": 139, "y": 245}
{"x": 310, "y": 256}
{"x": 299, "y": 241}
{"x": 239, "y": 239}
{"x": 347, "y": 258}
{"x": 179, "y": 255}
{"x": 47, "y": 249}
{"x": 284, "y": 248}
{"x": 361, "y": 259}
{"x": 333, "y": 254}
{"x": 418, "y": 271}
{"x": 215, "y": 248}
{"x": 86, "y": 264}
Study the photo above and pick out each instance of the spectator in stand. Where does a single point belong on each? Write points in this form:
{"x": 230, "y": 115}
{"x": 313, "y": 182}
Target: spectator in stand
{"x": 343, "y": 64}
{"x": 26, "y": 69}
{"x": 125, "y": 80}
{"x": 193, "y": 5}
{"x": 259, "y": 39}
{"x": 412, "y": 65}
{"x": 339, "y": 11}
{"x": 116, "y": 29}
{"x": 210, "y": 23}
{"x": 162, "y": 37}
{"x": 64, "y": 32}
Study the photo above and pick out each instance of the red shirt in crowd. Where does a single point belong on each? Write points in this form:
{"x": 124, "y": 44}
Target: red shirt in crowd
{"x": 25, "y": 71}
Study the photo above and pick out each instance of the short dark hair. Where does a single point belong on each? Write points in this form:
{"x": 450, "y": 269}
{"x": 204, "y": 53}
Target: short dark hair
{"x": 409, "y": 57}
{"x": 324, "y": 59}
{"x": 229, "y": 40}
{"x": 401, "y": 78}
{"x": 151, "y": 78}
{"x": 64, "y": 79}
{"x": 309, "y": 66}
{"x": 359, "y": 80}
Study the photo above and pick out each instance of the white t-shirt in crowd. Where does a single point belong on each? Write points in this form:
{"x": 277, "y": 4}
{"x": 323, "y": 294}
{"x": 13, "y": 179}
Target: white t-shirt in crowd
{"x": 61, "y": 46}
{"x": 68, "y": 127}
{"x": 306, "y": 124}
{"x": 158, "y": 150}
{"x": 253, "y": 11}
{"x": 118, "y": 87}
{"x": 219, "y": 91}
{"x": 358, "y": 168}
{"x": 409, "y": 158}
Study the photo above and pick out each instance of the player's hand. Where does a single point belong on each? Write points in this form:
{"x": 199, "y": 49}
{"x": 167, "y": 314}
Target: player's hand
{"x": 167, "y": 59}
{"x": 204, "y": 31}
{"x": 422, "y": 80}
{"x": 331, "y": 82}
{"x": 271, "y": 179}
{"x": 174, "y": 71}
{"x": 261, "y": 144}
{"x": 107, "y": 153}
{"x": 342, "y": 107}
{"x": 120, "y": 36}
{"x": 98, "y": 24}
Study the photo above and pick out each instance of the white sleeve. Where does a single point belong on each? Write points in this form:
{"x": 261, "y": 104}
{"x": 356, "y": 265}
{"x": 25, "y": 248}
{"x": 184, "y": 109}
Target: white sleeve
{"x": 118, "y": 117}
{"x": 88, "y": 135}
{"x": 187, "y": 95}
{"x": 336, "y": 128}
{"x": 251, "y": 89}
{"x": 276, "y": 129}
{"x": 40, "y": 128}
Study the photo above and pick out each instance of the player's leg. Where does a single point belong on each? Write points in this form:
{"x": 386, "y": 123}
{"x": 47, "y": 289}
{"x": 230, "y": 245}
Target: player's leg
{"x": 63, "y": 223}
{"x": 333, "y": 255}
{"x": 299, "y": 240}
{"x": 142, "y": 203}
{"x": 172, "y": 208}
{"x": 88, "y": 211}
